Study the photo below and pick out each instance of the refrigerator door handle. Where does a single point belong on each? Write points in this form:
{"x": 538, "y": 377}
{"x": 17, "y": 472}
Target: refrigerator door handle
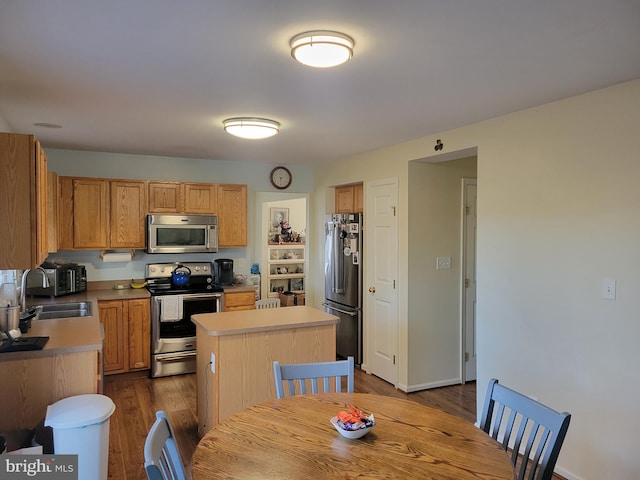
{"x": 338, "y": 267}
{"x": 351, "y": 313}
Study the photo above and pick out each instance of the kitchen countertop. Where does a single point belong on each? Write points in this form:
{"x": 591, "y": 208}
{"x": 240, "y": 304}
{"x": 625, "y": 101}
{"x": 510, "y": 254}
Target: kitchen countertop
{"x": 74, "y": 334}
{"x": 81, "y": 333}
{"x": 249, "y": 321}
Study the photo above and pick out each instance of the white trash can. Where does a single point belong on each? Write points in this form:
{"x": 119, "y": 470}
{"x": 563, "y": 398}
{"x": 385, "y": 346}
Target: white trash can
{"x": 81, "y": 426}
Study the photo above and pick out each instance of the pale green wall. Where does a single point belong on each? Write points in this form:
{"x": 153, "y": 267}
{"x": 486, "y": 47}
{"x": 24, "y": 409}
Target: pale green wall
{"x": 112, "y": 165}
{"x": 435, "y": 205}
{"x": 558, "y": 212}
{"x": 4, "y": 125}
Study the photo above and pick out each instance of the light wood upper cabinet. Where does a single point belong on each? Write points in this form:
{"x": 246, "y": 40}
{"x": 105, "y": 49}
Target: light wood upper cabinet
{"x": 357, "y": 200}
{"x": 232, "y": 215}
{"x": 200, "y": 198}
{"x": 90, "y": 213}
{"x": 128, "y": 212}
{"x": 101, "y": 213}
{"x": 348, "y": 199}
{"x": 42, "y": 198}
{"x": 52, "y": 212}
{"x": 65, "y": 213}
{"x": 165, "y": 197}
{"x": 23, "y": 196}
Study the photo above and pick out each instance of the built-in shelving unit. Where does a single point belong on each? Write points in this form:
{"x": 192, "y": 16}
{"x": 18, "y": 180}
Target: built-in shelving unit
{"x": 286, "y": 268}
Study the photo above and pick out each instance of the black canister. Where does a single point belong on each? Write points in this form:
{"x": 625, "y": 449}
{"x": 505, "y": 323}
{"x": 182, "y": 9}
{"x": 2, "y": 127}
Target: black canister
{"x": 224, "y": 271}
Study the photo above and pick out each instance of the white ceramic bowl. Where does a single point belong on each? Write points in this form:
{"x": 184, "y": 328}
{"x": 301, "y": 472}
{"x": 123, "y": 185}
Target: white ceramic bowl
{"x": 361, "y": 432}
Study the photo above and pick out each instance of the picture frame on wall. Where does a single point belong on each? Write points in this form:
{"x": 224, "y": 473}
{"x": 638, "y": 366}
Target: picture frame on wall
{"x": 277, "y": 215}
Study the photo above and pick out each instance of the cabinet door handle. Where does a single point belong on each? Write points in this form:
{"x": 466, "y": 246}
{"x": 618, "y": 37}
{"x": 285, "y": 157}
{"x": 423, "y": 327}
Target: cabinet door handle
{"x": 372, "y": 289}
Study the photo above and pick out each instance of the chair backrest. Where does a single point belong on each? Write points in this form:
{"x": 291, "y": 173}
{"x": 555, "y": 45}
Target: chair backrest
{"x": 268, "y": 303}
{"x": 162, "y": 459}
{"x": 296, "y": 374}
{"x": 527, "y": 427}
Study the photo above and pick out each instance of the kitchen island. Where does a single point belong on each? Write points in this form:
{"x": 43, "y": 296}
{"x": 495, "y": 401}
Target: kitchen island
{"x": 236, "y": 351}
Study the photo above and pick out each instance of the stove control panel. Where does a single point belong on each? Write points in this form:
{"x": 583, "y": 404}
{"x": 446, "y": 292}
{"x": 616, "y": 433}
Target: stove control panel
{"x": 164, "y": 270}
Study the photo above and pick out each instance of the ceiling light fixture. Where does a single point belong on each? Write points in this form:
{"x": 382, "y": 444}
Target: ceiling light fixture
{"x": 251, "y": 127}
{"x": 321, "y": 48}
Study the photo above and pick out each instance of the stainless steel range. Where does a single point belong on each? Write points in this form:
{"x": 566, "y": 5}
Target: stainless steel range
{"x": 173, "y": 335}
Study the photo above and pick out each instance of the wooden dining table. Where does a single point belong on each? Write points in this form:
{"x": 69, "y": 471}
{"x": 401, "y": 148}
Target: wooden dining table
{"x": 293, "y": 438}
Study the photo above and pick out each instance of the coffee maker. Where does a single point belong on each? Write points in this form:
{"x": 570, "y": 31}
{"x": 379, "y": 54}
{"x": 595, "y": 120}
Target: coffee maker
{"x": 224, "y": 271}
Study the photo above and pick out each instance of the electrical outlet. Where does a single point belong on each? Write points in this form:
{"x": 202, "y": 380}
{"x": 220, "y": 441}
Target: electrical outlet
{"x": 241, "y": 262}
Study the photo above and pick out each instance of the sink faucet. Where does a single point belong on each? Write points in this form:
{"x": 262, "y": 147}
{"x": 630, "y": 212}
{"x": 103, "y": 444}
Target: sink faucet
{"x": 23, "y": 284}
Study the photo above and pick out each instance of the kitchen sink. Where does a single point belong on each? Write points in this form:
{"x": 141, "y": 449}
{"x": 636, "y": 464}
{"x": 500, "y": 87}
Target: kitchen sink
{"x": 64, "y": 310}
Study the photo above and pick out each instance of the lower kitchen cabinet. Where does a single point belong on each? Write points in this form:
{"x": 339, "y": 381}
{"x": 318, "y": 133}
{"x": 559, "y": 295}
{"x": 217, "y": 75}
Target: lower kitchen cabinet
{"x": 127, "y": 334}
{"x": 239, "y": 301}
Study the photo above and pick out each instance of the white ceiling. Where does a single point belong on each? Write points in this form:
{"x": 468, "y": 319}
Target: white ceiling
{"x": 157, "y": 77}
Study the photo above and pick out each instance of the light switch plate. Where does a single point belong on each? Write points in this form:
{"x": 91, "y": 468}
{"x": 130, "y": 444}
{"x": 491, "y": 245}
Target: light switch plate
{"x": 443, "y": 263}
{"x": 609, "y": 289}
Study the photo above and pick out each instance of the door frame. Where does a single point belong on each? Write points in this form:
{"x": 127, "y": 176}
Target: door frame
{"x": 463, "y": 270}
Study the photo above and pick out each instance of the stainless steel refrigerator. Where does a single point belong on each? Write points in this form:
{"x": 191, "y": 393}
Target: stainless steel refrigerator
{"x": 343, "y": 280}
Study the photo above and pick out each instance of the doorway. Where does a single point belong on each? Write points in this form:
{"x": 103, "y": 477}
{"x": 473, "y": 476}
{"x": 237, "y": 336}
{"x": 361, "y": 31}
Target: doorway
{"x": 435, "y": 270}
{"x": 294, "y": 208}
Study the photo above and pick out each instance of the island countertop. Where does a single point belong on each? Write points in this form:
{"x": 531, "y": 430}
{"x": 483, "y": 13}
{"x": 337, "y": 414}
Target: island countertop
{"x": 268, "y": 319}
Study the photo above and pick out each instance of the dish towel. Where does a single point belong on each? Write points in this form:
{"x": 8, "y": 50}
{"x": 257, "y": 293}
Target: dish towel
{"x": 171, "y": 310}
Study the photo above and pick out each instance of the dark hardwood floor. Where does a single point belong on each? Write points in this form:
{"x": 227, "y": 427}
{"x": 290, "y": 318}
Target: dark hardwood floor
{"x": 137, "y": 398}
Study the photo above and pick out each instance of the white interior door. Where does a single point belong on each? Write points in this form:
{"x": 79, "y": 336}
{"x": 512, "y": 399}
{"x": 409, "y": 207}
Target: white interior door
{"x": 469, "y": 239}
{"x": 380, "y": 291}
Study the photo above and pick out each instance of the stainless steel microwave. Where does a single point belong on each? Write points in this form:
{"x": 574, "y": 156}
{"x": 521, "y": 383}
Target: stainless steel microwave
{"x": 168, "y": 233}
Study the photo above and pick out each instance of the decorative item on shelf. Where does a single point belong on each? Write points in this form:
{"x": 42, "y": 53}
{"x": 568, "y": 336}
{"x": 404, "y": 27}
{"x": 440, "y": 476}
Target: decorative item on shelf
{"x": 285, "y": 232}
{"x": 116, "y": 257}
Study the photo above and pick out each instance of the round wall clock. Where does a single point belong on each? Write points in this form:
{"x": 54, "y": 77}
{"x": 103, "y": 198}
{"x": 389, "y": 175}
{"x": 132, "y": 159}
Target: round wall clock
{"x": 281, "y": 178}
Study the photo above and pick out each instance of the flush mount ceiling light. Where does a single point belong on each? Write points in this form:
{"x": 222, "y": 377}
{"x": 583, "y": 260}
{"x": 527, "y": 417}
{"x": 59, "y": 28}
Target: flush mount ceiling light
{"x": 251, "y": 127}
{"x": 321, "y": 48}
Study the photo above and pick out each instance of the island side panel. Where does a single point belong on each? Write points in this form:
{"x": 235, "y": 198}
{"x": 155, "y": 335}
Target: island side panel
{"x": 244, "y": 366}
{"x": 30, "y": 385}
{"x": 246, "y": 362}
{"x": 206, "y": 381}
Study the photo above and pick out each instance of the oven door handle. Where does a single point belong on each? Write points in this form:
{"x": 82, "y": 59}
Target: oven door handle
{"x": 175, "y": 357}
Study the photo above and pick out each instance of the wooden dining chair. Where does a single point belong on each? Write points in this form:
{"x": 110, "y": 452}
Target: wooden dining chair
{"x": 162, "y": 459}
{"x": 526, "y": 427}
{"x": 267, "y": 303}
{"x": 296, "y": 376}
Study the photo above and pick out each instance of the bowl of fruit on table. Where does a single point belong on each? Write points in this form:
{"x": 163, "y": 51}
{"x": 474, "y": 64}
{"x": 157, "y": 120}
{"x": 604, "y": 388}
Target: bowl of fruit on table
{"x": 353, "y": 423}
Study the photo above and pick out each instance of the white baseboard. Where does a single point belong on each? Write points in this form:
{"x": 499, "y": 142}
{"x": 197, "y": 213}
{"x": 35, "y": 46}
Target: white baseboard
{"x": 428, "y": 385}
{"x": 563, "y": 473}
